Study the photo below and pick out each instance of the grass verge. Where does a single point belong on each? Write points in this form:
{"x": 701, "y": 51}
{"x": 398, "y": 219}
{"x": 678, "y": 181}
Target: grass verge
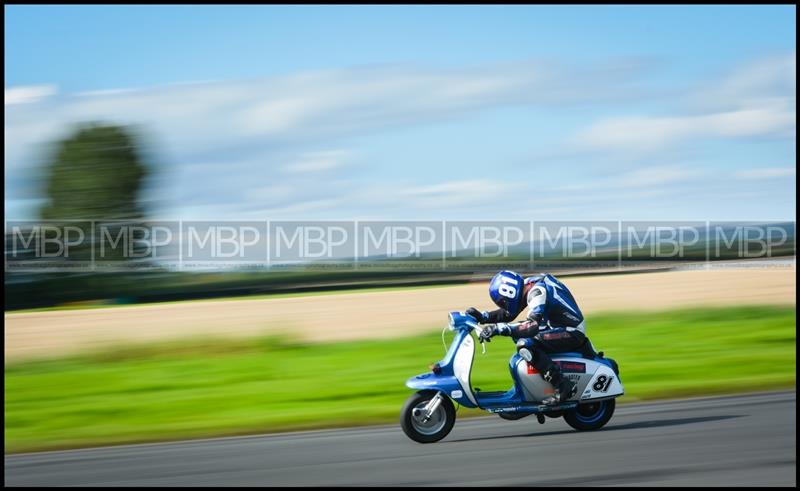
{"x": 203, "y": 388}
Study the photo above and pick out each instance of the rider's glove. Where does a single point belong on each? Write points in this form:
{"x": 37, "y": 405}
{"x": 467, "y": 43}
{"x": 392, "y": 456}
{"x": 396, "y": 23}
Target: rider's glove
{"x": 476, "y": 314}
{"x": 486, "y": 333}
{"x": 503, "y": 329}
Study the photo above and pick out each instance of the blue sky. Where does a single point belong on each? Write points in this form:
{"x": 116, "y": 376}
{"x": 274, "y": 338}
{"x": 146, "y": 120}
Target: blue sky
{"x": 430, "y": 112}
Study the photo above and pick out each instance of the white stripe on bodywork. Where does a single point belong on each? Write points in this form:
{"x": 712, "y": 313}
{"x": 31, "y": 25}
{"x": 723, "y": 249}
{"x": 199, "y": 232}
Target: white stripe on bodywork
{"x": 462, "y": 365}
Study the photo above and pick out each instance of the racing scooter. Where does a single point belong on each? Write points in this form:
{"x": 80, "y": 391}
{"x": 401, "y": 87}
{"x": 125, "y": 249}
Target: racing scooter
{"x": 429, "y": 414}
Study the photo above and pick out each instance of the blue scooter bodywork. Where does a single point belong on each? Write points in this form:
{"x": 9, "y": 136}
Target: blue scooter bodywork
{"x": 447, "y": 379}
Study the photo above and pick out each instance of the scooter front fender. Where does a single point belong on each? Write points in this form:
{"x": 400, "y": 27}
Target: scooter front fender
{"x": 447, "y": 384}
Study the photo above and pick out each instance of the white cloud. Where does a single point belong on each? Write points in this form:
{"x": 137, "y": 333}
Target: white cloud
{"x": 765, "y": 173}
{"x": 104, "y": 92}
{"x": 259, "y": 143}
{"x": 318, "y": 161}
{"x": 282, "y": 119}
{"x": 299, "y": 207}
{"x": 277, "y": 192}
{"x": 642, "y": 178}
{"x": 28, "y": 93}
{"x": 758, "y": 80}
{"x": 656, "y": 176}
{"x": 653, "y": 133}
{"x": 448, "y": 188}
{"x": 757, "y": 100}
{"x": 308, "y": 107}
{"x": 458, "y": 193}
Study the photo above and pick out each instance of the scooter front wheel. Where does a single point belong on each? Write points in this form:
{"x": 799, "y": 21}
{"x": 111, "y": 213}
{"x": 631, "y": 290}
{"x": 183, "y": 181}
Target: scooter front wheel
{"x": 432, "y": 429}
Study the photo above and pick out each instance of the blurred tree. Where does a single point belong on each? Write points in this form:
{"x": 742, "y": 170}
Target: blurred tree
{"x": 96, "y": 174}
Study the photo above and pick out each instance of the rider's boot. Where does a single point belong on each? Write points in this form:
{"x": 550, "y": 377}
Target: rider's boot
{"x": 566, "y": 390}
{"x": 563, "y": 387}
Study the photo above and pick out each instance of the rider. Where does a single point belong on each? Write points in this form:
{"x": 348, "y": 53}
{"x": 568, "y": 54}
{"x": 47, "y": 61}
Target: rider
{"x": 554, "y": 323}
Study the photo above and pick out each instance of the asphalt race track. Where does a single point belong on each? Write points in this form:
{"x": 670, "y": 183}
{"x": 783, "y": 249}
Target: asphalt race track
{"x": 723, "y": 441}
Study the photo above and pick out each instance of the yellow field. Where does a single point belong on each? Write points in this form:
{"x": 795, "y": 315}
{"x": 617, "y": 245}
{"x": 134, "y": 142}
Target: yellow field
{"x": 378, "y": 314}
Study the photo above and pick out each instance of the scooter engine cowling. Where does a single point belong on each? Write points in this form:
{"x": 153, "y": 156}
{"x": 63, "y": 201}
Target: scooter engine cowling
{"x": 594, "y": 380}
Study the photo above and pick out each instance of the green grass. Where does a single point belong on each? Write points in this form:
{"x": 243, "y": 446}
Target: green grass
{"x": 212, "y": 387}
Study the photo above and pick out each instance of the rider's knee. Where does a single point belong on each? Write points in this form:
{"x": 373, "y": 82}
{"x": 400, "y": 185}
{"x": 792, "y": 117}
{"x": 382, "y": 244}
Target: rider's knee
{"x": 525, "y": 349}
{"x": 524, "y": 343}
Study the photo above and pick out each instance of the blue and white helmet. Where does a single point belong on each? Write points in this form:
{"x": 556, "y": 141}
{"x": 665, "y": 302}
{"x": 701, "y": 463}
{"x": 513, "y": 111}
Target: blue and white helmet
{"x": 506, "y": 290}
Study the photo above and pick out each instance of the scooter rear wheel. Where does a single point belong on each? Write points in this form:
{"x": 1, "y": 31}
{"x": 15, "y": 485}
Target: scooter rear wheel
{"x": 437, "y": 427}
{"x": 590, "y": 415}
